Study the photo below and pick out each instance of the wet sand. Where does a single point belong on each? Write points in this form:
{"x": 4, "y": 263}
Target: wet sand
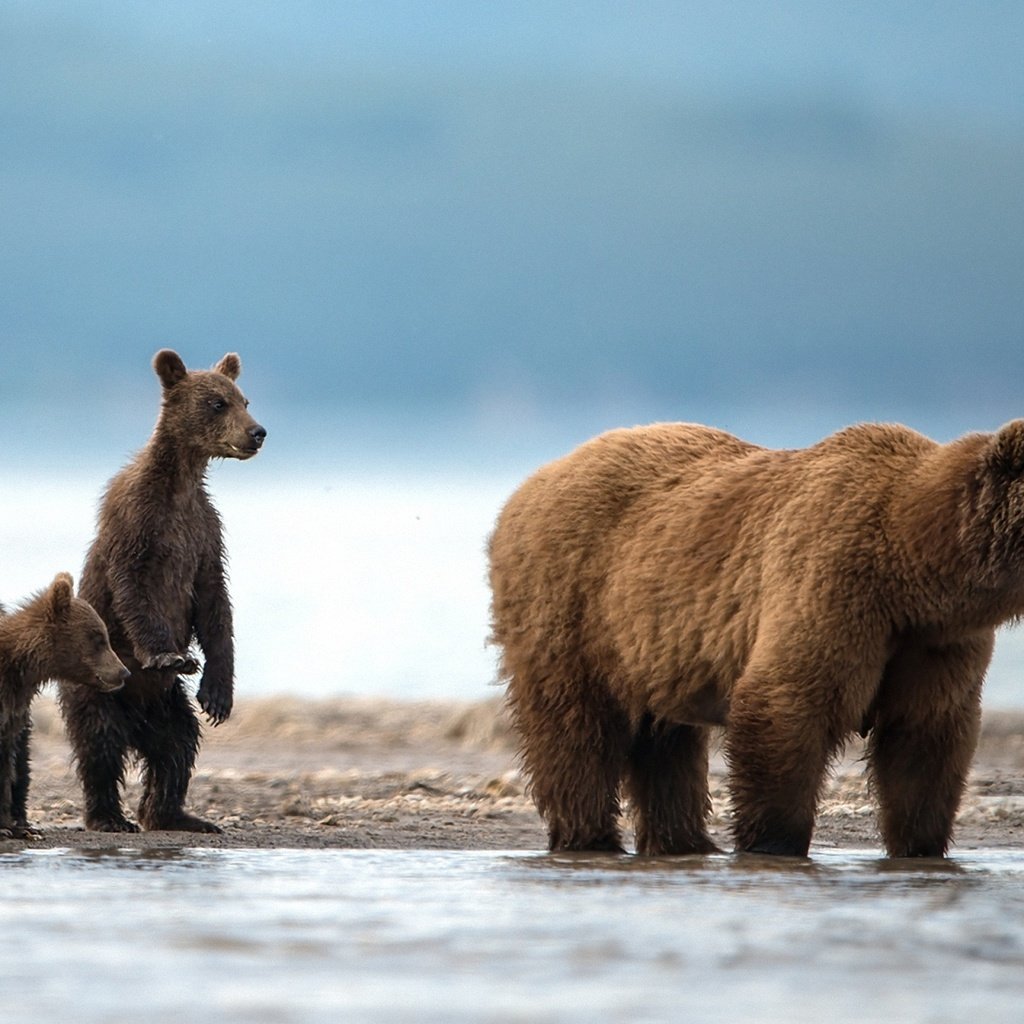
{"x": 369, "y": 773}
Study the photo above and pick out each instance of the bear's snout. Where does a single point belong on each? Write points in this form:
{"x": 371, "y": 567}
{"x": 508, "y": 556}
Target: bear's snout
{"x": 258, "y": 435}
{"x": 111, "y": 681}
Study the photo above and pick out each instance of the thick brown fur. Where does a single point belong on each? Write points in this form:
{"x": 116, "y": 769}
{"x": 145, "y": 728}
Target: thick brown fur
{"x": 662, "y": 580}
{"x": 155, "y": 573}
{"x": 54, "y": 635}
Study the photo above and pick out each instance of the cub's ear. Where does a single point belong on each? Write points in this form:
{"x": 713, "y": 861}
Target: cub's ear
{"x": 230, "y": 366}
{"x": 169, "y": 367}
{"x": 62, "y": 590}
{"x": 1005, "y": 453}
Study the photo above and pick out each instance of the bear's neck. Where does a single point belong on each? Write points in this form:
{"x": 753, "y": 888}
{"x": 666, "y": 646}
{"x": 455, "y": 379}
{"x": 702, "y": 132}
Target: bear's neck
{"x": 172, "y": 465}
{"x": 22, "y": 672}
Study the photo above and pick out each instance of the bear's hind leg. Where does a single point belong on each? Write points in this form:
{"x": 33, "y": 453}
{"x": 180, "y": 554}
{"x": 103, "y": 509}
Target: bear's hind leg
{"x": 573, "y": 751}
{"x": 667, "y": 783}
{"x": 98, "y": 732}
{"x": 168, "y": 744}
{"x": 922, "y": 740}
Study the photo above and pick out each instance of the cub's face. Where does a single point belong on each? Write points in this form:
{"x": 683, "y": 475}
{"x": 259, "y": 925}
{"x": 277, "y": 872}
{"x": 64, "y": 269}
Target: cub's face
{"x": 81, "y": 649}
{"x": 220, "y": 417}
{"x": 205, "y": 410}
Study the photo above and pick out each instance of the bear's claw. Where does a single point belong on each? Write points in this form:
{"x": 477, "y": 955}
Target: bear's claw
{"x": 112, "y": 824}
{"x": 215, "y": 703}
{"x": 182, "y": 663}
{"x": 180, "y": 822}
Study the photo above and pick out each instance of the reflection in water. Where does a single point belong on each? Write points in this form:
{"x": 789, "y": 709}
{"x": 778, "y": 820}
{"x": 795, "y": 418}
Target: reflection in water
{"x": 132, "y": 858}
{"x": 395, "y": 936}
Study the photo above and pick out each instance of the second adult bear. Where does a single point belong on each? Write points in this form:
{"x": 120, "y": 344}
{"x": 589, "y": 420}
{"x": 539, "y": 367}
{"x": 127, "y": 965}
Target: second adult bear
{"x": 662, "y": 580}
{"x": 155, "y": 573}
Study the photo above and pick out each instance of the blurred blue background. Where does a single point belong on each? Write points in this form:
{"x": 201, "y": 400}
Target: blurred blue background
{"x": 452, "y": 239}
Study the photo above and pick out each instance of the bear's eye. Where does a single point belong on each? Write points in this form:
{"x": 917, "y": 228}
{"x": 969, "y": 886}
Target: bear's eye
{"x": 218, "y": 404}
{"x": 99, "y": 641}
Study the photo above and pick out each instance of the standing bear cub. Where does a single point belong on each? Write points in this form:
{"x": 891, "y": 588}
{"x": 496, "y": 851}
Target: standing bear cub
{"x": 155, "y": 573}
{"x": 54, "y": 635}
{"x": 661, "y": 580}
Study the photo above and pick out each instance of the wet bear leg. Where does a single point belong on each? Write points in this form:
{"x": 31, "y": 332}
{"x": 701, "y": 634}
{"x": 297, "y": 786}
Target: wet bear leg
{"x": 168, "y": 742}
{"x": 20, "y": 787}
{"x": 22, "y": 771}
{"x": 574, "y": 753}
{"x": 667, "y": 783}
{"x": 97, "y": 728}
{"x": 778, "y": 753}
{"x": 922, "y": 741}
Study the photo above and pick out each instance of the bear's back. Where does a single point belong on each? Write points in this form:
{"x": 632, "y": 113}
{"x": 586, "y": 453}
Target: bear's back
{"x": 570, "y": 502}
{"x": 684, "y": 524}
{"x": 547, "y": 551}
{"x": 596, "y": 481}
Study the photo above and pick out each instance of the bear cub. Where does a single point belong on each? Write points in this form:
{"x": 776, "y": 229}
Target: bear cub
{"x": 155, "y": 573}
{"x": 54, "y": 635}
{"x": 660, "y": 581}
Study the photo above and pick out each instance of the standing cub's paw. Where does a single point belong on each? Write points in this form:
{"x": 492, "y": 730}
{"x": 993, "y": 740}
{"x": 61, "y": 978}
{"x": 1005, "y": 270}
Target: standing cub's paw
{"x": 110, "y": 823}
{"x": 182, "y": 663}
{"x": 178, "y": 821}
{"x": 215, "y": 699}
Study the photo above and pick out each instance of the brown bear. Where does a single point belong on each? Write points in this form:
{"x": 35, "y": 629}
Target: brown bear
{"x": 155, "y": 573}
{"x": 662, "y": 580}
{"x": 54, "y": 635}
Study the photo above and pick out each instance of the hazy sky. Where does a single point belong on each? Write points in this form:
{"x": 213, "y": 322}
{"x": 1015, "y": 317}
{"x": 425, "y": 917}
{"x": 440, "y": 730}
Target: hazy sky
{"x": 653, "y": 209}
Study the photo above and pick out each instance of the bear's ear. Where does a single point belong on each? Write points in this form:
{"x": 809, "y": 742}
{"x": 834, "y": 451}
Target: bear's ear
{"x": 1005, "y": 454}
{"x": 62, "y": 590}
{"x": 230, "y": 366}
{"x": 169, "y": 367}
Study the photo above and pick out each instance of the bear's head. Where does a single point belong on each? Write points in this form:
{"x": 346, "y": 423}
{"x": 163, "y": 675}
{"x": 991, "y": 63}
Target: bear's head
{"x": 993, "y": 526}
{"x": 78, "y": 648}
{"x": 204, "y": 410}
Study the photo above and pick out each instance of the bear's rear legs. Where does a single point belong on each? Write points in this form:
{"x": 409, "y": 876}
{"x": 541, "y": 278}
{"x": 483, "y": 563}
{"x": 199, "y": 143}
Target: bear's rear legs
{"x": 574, "y": 755}
{"x": 97, "y": 726}
{"x": 165, "y": 786}
{"x": 667, "y": 782}
{"x": 168, "y": 746}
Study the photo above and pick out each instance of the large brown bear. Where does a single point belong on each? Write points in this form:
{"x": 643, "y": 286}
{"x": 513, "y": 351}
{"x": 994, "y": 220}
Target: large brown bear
{"x": 155, "y": 573}
{"x": 54, "y": 635}
{"x": 661, "y": 580}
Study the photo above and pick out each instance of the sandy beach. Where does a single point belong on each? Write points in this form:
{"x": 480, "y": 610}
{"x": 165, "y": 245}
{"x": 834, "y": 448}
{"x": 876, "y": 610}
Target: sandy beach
{"x": 370, "y": 773}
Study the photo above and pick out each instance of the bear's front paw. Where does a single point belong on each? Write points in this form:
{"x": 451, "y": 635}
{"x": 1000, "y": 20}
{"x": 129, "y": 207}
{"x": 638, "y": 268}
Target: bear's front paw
{"x": 215, "y": 699}
{"x": 181, "y": 663}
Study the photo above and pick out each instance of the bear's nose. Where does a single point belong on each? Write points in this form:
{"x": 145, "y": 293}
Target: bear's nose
{"x": 257, "y": 433}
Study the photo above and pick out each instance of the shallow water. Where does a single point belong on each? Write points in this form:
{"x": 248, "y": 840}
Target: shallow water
{"x": 396, "y": 936}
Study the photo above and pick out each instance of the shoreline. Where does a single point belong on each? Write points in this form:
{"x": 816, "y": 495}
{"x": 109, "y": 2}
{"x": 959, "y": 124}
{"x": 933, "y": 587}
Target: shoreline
{"x": 370, "y": 773}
